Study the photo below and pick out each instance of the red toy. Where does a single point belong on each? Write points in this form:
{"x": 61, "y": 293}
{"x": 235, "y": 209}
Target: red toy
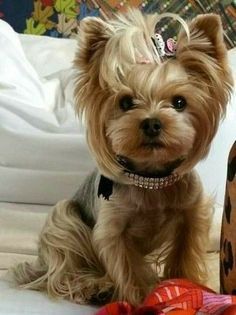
{"x": 177, "y": 297}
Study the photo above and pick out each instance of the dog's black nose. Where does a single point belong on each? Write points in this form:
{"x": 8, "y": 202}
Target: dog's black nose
{"x": 151, "y": 127}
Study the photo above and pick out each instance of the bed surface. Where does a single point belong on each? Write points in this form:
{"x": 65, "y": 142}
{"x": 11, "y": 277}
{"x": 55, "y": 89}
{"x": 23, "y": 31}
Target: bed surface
{"x": 19, "y": 302}
{"x": 20, "y": 226}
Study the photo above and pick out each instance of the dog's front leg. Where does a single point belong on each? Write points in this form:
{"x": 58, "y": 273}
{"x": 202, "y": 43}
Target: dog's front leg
{"x": 189, "y": 241}
{"x": 123, "y": 263}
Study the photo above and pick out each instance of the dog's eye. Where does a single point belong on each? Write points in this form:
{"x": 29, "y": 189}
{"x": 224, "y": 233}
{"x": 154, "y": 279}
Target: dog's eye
{"x": 126, "y": 103}
{"x": 179, "y": 103}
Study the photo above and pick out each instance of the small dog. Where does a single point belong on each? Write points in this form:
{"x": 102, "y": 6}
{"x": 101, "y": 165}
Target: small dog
{"x": 151, "y": 115}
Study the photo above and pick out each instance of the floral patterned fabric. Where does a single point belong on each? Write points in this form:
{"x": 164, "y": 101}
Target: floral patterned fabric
{"x": 177, "y": 297}
{"x": 60, "y": 18}
{"x": 57, "y": 18}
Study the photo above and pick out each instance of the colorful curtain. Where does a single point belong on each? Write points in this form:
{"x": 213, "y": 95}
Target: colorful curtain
{"x": 60, "y": 18}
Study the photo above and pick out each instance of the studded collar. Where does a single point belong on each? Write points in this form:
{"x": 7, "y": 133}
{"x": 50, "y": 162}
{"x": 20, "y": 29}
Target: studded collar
{"x": 153, "y": 183}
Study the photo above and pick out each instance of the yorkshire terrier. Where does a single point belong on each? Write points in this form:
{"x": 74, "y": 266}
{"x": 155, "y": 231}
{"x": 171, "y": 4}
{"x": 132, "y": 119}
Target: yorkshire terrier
{"x": 151, "y": 113}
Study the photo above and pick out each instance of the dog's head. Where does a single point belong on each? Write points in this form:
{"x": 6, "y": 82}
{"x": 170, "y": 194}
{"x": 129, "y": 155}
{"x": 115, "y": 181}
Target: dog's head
{"x": 143, "y": 112}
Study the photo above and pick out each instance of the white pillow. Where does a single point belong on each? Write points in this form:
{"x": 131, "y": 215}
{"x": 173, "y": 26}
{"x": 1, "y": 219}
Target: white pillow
{"x": 43, "y": 152}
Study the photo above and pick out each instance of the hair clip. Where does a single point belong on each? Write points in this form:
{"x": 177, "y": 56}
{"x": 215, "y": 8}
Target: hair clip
{"x": 164, "y": 49}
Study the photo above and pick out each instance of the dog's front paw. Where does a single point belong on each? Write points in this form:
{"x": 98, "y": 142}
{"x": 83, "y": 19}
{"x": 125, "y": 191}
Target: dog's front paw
{"x": 94, "y": 290}
{"x": 102, "y": 297}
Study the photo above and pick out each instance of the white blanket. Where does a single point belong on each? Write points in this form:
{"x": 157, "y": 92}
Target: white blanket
{"x": 43, "y": 152}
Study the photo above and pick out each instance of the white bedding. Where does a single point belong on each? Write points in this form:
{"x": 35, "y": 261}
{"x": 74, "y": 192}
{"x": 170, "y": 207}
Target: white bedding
{"x": 19, "y": 302}
{"x": 43, "y": 153}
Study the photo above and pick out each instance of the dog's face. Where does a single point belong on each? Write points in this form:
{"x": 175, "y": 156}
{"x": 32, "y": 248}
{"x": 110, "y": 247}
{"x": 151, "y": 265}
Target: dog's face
{"x": 145, "y": 115}
{"x": 150, "y": 123}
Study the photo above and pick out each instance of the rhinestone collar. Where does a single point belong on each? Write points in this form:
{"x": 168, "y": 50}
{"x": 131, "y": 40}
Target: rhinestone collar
{"x": 154, "y": 183}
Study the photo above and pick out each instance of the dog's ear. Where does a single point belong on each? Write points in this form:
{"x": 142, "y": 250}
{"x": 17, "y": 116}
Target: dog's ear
{"x": 93, "y": 36}
{"x": 204, "y": 55}
{"x": 206, "y": 37}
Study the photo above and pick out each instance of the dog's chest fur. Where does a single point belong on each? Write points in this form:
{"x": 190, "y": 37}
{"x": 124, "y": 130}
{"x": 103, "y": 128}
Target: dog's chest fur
{"x": 148, "y": 214}
{"x": 145, "y": 216}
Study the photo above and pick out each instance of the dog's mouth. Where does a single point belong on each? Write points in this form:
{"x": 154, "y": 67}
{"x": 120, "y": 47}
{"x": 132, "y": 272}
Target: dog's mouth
{"x": 152, "y": 145}
{"x": 168, "y": 168}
